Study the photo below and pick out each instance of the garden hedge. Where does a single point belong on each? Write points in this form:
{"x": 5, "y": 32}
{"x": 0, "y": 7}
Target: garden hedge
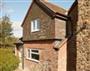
{"x": 8, "y": 61}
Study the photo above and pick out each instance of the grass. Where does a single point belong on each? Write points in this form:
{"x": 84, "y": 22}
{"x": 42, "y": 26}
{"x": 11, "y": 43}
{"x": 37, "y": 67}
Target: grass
{"x": 8, "y": 61}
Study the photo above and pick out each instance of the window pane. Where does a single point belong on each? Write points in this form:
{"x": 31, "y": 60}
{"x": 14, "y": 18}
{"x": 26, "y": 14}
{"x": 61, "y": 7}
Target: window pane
{"x": 35, "y": 56}
{"x": 35, "y": 51}
{"x": 28, "y": 53}
{"x": 33, "y": 25}
{"x": 38, "y": 23}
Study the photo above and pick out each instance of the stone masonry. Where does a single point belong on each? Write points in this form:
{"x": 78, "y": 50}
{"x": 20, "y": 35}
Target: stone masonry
{"x": 83, "y": 38}
{"x": 78, "y": 47}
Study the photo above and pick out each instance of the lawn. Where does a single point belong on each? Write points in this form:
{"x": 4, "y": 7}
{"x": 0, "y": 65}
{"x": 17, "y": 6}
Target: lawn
{"x": 8, "y": 61}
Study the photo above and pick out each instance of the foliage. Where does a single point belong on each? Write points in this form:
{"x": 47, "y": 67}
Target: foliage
{"x": 6, "y": 37}
{"x": 8, "y": 61}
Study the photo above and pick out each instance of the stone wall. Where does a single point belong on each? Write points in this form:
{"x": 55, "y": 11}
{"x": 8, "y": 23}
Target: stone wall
{"x": 78, "y": 47}
{"x": 83, "y": 37}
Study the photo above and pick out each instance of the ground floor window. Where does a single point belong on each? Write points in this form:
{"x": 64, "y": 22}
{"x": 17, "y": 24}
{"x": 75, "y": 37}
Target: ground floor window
{"x": 33, "y": 54}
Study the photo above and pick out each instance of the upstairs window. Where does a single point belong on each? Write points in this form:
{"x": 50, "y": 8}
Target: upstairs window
{"x": 35, "y": 25}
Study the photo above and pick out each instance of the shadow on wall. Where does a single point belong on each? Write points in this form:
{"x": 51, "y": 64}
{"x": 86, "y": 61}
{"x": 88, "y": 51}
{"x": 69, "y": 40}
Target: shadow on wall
{"x": 71, "y": 35}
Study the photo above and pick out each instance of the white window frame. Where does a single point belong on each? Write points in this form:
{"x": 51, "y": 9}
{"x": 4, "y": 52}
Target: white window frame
{"x": 35, "y": 25}
{"x": 30, "y": 58}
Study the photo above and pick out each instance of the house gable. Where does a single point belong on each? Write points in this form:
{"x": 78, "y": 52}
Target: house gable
{"x": 51, "y": 10}
{"x": 45, "y": 25}
{"x": 35, "y": 2}
{"x": 47, "y": 16}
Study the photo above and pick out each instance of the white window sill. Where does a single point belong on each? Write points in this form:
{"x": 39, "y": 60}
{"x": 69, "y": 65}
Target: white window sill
{"x": 35, "y": 30}
{"x": 33, "y": 60}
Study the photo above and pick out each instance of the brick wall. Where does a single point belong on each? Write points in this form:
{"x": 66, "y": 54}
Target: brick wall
{"x": 71, "y": 43}
{"x": 47, "y": 54}
{"x": 49, "y": 28}
{"x": 60, "y": 29}
{"x": 62, "y": 58}
{"x": 46, "y": 29}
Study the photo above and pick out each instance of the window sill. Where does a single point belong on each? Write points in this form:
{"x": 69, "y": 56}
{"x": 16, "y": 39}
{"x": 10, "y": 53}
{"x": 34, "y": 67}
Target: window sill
{"x": 35, "y": 30}
{"x": 37, "y": 61}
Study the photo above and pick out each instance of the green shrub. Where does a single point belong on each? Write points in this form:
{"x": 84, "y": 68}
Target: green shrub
{"x": 8, "y": 61}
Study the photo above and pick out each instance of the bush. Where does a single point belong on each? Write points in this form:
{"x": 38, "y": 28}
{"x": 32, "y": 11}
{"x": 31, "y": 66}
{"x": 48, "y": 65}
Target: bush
{"x": 8, "y": 61}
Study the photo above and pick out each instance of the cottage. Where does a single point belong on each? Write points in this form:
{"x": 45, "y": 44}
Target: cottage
{"x": 49, "y": 36}
{"x": 44, "y": 29}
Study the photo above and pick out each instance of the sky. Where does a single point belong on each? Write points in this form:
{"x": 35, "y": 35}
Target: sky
{"x": 17, "y": 9}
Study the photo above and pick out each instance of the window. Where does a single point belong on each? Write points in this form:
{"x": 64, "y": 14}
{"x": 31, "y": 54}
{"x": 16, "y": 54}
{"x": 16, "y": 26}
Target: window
{"x": 35, "y": 25}
{"x": 28, "y": 53}
{"x": 33, "y": 54}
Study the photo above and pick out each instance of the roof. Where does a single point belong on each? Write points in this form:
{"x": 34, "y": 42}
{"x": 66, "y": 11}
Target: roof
{"x": 54, "y": 7}
{"x": 52, "y": 10}
{"x": 19, "y": 41}
{"x": 73, "y": 6}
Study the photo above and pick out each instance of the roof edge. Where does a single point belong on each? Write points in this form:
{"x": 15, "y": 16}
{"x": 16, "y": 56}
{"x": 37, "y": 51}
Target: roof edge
{"x": 27, "y": 12}
{"x": 73, "y": 6}
{"x": 51, "y": 13}
{"x": 41, "y": 40}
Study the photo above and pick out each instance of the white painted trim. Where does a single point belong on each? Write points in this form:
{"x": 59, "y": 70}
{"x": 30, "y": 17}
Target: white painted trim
{"x": 34, "y": 25}
{"x": 33, "y": 60}
{"x": 31, "y": 54}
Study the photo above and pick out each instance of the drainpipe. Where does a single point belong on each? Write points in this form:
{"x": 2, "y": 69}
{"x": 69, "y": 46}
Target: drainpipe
{"x": 22, "y": 57}
{"x": 21, "y": 44}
